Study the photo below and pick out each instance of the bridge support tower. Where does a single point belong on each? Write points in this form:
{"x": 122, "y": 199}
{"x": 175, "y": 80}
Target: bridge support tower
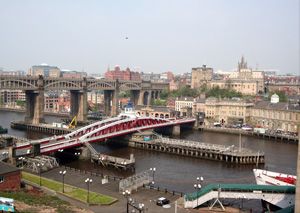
{"x": 111, "y": 101}
{"x": 79, "y": 102}
{"x": 34, "y": 107}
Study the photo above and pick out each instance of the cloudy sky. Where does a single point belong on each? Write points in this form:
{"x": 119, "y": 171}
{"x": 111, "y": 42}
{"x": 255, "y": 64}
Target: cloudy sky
{"x": 163, "y": 35}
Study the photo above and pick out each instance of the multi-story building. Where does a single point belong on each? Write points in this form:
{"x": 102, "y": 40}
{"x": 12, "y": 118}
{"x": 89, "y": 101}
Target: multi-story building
{"x": 17, "y": 72}
{"x": 55, "y": 100}
{"x": 166, "y": 76}
{"x": 245, "y": 74}
{"x": 201, "y": 75}
{"x": 11, "y": 96}
{"x": 171, "y": 103}
{"x": 97, "y": 97}
{"x": 185, "y": 102}
{"x": 73, "y": 74}
{"x": 246, "y": 87}
{"x": 44, "y": 70}
{"x": 122, "y": 75}
{"x": 276, "y": 115}
{"x": 176, "y": 83}
{"x": 228, "y": 110}
{"x": 200, "y": 104}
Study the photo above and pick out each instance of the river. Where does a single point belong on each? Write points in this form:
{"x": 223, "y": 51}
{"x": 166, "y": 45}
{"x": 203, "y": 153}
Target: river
{"x": 178, "y": 172}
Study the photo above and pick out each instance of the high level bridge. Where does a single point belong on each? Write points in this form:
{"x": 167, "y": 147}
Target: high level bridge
{"x": 141, "y": 92}
{"x": 98, "y": 131}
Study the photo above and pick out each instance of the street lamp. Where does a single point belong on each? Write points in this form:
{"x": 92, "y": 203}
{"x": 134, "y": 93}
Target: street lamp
{"x": 242, "y": 197}
{"x": 63, "y": 173}
{"x": 77, "y": 154}
{"x": 127, "y": 194}
{"x": 21, "y": 158}
{"x": 40, "y": 166}
{"x": 88, "y": 182}
{"x": 130, "y": 202}
{"x": 197, "y": 186}
{"x": 153, "y": 171}
{"x": 101, "y": 159}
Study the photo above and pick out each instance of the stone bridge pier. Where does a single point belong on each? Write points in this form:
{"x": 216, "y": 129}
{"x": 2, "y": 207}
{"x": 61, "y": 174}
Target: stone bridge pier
{"x": 111, "y": 101}
{"x": 79, "y": 102}
{"x": 34, "y": 106}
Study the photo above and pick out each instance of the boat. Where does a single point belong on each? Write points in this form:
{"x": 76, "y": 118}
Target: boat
{"x": 264, "y": 177}
{"x": 3, "y": 130}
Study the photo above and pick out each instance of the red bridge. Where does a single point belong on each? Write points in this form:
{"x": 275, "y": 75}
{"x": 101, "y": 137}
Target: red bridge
{"x": 100, "y": 130}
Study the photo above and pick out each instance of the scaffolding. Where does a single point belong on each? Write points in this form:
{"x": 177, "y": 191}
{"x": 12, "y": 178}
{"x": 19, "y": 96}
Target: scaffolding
{"x": 132, "y": 183}
{"x": 39, "y": 164}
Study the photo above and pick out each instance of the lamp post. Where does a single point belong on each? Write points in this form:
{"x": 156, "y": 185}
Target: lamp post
{"x": 63, "y": 173}
{"x": 126, "y": 194}
{"x": 88, "y": 182}
{"x": 77, "y": 154}
{"x": 242, "y": 197}
{"x": 130, "y": 202}
{"x": 40, "y": 166}
{"x": 101, "y": 159}
{"x": 153, "y": 171}
{"x": 197, "y": 186}
{"x": 21, "y": 158}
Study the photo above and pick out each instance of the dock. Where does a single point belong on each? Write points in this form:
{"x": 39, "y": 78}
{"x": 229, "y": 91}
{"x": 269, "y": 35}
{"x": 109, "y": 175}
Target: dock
{"x": 47, "y": 128}
{"x": 281, "y": 137}
{"x": 228, "y": 154}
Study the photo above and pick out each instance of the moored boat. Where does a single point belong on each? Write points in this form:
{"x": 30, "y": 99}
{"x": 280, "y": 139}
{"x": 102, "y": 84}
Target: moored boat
{"x": 264, "y": 177}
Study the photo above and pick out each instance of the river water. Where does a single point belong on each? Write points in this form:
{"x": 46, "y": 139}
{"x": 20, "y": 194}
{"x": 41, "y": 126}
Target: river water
{"x": 178, "y": 172}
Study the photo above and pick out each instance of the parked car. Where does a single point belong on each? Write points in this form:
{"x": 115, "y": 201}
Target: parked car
{"x": 162, "y": 201}
{"x": 228, "y": 126}
{"x": 217, "y": 125}
{"x": 247, "y": 128}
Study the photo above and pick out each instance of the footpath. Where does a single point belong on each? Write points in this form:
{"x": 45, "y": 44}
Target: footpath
{"x": 143, "y": 195}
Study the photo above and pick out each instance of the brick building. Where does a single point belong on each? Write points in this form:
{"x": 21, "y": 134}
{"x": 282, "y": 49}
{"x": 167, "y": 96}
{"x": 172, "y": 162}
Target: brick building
{"x": 122, "y": 74}
{"x": 10, "y": 177}
{"x": 73, "y": 74}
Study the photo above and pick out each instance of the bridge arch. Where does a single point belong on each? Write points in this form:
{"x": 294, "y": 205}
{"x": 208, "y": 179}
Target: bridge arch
{"x": 62, "y": 84}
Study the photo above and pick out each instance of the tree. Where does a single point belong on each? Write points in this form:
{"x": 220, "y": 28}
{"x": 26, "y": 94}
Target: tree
{"x": 159, "y": 103}
{"x": 124, "y": 94}
{"x": 204, "y": 87}
{"x": 88, "y": 107}
{"x": 20, "y": 103}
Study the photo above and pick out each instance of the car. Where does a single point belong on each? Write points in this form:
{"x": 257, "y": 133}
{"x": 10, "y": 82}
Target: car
{"x": 217, "y": 125}
{"x": 162, "y": 201}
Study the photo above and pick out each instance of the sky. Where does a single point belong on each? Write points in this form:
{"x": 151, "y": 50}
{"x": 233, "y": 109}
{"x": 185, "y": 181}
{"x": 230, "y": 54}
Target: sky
{"x": 168, "y": 35}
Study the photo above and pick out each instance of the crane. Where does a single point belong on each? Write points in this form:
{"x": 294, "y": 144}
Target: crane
{"x": 75, "y": 123}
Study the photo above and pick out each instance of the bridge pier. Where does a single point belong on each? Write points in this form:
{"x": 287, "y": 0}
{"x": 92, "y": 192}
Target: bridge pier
{"x": 34, "y": 106}
{"x": 176, "y": 130}
{"x": 134, "y": 97}
{"x": 79, "y": 102}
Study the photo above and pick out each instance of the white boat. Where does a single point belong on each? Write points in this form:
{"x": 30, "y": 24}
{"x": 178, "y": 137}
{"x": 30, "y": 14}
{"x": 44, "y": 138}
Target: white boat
{"x": 264, "y": 177}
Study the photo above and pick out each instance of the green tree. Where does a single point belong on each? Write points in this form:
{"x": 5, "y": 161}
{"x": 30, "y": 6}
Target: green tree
{"x": 223, "y": 93}
{"x": 1, "y": 101}
{"x": 124, "y": 94}
{"x": 88, "y": 107}
{"x": 20, "y": 103}
{"x": 204, "y": 87}
{"x": 159, "y": 103}
{"x": 281, "y": 94}
{"x": 95, "y": 109}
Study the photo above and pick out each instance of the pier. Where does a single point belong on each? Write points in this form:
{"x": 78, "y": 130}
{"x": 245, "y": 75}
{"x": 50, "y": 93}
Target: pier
{"x": 228, "y": 154}
{"x": 47, "y": 128}
{"x": 281, "y": 137}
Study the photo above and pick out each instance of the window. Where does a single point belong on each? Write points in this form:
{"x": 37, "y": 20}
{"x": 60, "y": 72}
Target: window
{"x": 290, "y": 116}
{"x": 278, "y": 115}
{"x": 296, "y": 117}
{"x": 1, "y": 179}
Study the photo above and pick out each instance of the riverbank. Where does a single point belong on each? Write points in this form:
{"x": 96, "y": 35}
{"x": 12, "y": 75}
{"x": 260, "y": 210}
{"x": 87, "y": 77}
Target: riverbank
{"x": 238, "y": 131}
{"x": 23, "y": 110}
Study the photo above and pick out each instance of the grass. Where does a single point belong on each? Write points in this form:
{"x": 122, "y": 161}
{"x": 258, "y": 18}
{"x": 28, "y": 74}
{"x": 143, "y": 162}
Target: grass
{"x": 34, "y": 200}
{"x": 72, "y": 191}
